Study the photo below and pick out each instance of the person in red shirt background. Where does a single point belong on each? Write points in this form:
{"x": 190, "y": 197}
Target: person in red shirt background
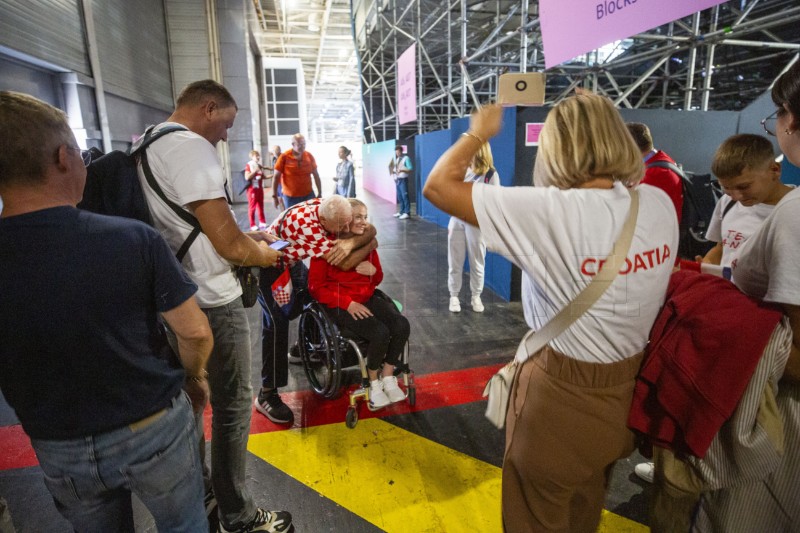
{"x": 660, "y": 177}
{"x": 355, "y": 303}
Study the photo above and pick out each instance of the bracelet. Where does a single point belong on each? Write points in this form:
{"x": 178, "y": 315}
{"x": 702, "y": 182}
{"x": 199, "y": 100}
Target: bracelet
{"x": 197, "y": 379}
{"x": 470, "y": 134}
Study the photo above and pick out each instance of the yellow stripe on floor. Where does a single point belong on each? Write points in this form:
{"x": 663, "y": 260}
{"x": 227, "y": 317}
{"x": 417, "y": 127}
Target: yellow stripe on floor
{"x": 395, "y": 479}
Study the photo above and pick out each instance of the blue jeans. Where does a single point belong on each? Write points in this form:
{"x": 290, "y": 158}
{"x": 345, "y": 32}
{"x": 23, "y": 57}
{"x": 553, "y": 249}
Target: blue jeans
{"x": 289, "y": 201}
{"x": 231, "y": 403}
{"x": 403, "y": 205}
{"x": 91, "y": 478}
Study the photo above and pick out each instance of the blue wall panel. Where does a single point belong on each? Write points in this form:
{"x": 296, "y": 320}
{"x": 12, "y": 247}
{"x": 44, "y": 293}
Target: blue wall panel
{"x": 430, "y": 146}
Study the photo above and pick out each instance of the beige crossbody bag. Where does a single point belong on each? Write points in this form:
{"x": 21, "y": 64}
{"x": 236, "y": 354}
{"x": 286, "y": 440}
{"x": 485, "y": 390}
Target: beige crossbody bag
{"x": 498, "y": 389}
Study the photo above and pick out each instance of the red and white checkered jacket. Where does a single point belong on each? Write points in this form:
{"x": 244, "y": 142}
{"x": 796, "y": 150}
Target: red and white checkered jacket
{"x": 302, "y": 228}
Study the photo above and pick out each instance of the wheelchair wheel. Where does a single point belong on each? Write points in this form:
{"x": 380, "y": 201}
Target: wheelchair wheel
{"x": 320, "y": 353}
{"x": 352, "y": 417}
{"x": 412, "y": 396}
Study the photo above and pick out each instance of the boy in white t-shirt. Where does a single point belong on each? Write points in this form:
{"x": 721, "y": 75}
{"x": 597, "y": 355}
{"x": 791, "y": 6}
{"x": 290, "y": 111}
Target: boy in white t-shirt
{"x": 751, "y": 179}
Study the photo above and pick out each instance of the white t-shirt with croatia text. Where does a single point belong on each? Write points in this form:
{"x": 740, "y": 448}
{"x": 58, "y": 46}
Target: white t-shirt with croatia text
{"x": 559, "y": 238}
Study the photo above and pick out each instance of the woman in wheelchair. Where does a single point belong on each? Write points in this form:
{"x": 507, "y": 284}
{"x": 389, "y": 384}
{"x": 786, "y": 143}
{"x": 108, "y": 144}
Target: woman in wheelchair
{"x": 356, "y": 305}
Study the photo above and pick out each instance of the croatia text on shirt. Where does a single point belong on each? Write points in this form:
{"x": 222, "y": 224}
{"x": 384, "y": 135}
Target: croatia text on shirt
{"x": 640, "y": 261}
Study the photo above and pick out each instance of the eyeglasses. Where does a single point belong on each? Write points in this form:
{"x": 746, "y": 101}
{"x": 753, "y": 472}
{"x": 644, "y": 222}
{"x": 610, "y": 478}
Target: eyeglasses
{"x": 769, "y": 124}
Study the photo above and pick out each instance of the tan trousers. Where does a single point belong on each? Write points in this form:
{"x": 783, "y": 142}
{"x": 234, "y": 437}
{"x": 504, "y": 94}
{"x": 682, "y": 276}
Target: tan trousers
{"x": 565, "y": 429}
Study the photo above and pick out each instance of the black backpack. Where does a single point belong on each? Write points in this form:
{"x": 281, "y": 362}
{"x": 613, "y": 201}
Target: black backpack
{"x": 112, "y": 182}
{"x": 700, "y": 196}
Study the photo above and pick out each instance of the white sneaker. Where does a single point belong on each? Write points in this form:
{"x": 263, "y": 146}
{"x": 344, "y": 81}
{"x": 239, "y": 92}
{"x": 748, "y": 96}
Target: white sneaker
{"x": 403, "y": 216}
{"x": 378, "y": 398}
{"x": 477, "y": 304}
{"x": 645, "y": 471}
{"x": 392, "y": 390}
{"x": 455, "y": 305}
{"x": 253, "y": 228}
{"x": 397, "y": 214}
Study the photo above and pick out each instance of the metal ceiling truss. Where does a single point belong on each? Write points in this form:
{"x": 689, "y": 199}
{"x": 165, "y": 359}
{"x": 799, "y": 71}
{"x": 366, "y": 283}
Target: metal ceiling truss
{"x": 720, "y": 58}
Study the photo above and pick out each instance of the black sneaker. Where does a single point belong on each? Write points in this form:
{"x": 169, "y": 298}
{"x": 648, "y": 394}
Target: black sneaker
{"x": 270, "y": 405}
{"x": 211, "y": 511}
{"x": 270, "y": 521}
{"x": 294, "y": 355}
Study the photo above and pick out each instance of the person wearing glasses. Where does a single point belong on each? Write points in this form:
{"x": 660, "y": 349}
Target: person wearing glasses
{"x": 767, "y": 269}
{"x": 115, "y": 409}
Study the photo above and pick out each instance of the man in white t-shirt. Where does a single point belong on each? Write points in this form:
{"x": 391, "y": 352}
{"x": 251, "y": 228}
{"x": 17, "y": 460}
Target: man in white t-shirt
{"x": 186, "y": 167}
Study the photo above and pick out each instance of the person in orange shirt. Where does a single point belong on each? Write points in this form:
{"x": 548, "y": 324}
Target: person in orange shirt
{"x": 293, "y": 172}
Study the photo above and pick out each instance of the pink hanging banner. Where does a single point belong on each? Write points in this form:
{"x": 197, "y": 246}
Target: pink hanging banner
{"x": 407, "y": 85}
{"x": 584, "y": 25}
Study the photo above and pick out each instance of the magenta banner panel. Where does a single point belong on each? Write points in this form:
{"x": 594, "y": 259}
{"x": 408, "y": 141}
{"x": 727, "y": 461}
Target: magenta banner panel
{"x": 407, "y": 85}
{"x": 375, "y": 159}
{"x": 572, "y": 28}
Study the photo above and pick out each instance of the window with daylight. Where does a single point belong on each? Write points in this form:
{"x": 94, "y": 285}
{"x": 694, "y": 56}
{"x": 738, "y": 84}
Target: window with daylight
{"x": 283, "y": 100}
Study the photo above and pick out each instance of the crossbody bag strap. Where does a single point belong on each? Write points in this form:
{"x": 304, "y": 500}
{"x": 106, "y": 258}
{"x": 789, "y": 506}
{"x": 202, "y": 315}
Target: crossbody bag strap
{"x": 532, "y": 342}
{"x": 184, "y": 215}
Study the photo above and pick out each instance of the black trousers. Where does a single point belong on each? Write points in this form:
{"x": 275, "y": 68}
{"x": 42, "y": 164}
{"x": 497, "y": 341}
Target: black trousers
{"x": 386, "y": 331}
{"x": 275, "y": 334}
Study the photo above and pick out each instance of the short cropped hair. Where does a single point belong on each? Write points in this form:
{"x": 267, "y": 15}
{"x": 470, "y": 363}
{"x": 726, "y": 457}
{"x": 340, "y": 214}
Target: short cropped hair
{"x": 483, "y": 160}
{"x": 254, "y": 153}
{"x": 30, "y": 133}
{"x": 739, "y": 152}
{"x": 199, "y": 92}
{"x": 582, "y": 138}
{"x": 641, "y": 135}
{"x": 334, "y": 207}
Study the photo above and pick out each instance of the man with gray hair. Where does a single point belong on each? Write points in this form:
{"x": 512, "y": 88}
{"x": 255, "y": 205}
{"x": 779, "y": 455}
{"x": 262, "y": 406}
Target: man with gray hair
{"x": 82, "y": 297}
{"x": 311, "y": 228}
{"x": 186, "y": 167}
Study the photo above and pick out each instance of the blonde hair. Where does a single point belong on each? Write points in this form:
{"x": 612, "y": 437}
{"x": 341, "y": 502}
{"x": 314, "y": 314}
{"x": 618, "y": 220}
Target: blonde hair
{"x": 584, "y": 137}
{"x": 483, "y": 160}
{"x": 30, "y": 133}
{"x": 741, "y": 151}
{"x": 254, "y": 153}
{"x": 354, "y": 202}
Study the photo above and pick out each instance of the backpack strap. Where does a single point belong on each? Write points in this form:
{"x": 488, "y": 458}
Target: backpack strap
{"x": 182, "y": 213}
{"x": 488, "y": 176}
{"x": 671, "y": 166}
{"x": 728, "y": 208}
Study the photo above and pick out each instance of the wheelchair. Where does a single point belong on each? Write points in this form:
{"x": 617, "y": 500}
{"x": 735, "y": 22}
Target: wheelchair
{"x": 326, "y": 352}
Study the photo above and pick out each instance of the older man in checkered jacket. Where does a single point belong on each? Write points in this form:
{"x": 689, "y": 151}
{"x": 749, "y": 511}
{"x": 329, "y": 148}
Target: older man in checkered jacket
{"x": 311, "y": 228}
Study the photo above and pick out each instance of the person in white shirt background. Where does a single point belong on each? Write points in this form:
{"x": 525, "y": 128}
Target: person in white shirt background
{"x": 465, "y": 239}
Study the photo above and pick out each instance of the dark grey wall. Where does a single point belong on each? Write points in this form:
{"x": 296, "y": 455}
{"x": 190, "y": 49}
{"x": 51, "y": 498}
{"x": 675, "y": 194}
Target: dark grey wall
{"x": 133, "y": 50}
{"x": 44, "y": 85}
{"x": 689, "y": 137}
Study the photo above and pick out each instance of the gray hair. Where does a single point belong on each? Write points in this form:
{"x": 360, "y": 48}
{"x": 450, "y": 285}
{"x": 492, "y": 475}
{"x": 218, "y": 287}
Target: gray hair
{"x": 334, "y": 207}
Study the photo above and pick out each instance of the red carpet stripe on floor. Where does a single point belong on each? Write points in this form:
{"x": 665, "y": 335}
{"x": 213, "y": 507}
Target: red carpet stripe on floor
{"x": 433, "y": 391}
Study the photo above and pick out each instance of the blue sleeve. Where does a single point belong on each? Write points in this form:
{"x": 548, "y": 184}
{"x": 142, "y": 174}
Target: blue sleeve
{"x": 172, "y": 286}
